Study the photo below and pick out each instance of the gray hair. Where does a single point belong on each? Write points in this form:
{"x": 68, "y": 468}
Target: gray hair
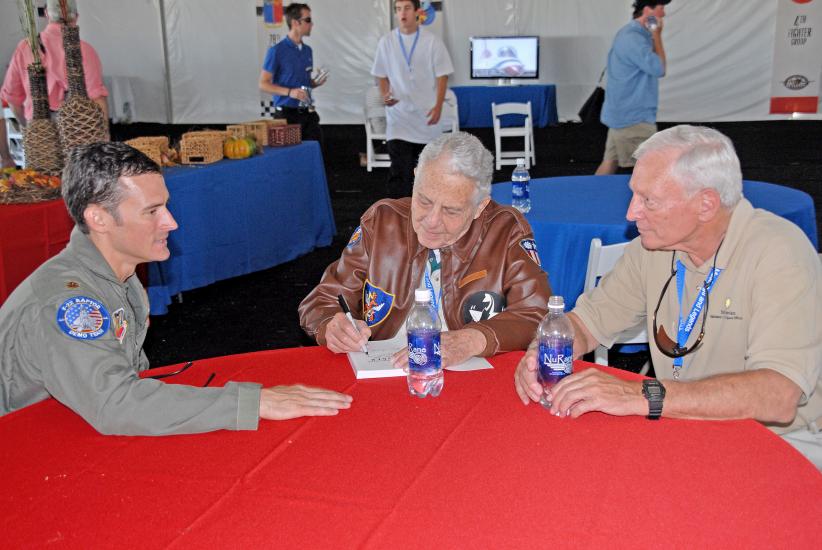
{"x": 92, "y": 174}
{"x": 466, "y": 157}
{"x": 707, "y": 160}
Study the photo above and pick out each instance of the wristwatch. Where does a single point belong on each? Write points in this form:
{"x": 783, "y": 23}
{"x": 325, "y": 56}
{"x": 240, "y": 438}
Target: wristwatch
{"x": 654, "y": 392}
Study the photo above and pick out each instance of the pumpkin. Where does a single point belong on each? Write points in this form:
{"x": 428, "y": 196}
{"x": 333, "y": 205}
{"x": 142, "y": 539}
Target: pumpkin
{"x": 239, "y": 148}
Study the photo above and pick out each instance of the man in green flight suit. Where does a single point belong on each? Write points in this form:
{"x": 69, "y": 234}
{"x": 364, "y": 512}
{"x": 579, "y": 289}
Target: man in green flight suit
{"x": 74, "y": 329}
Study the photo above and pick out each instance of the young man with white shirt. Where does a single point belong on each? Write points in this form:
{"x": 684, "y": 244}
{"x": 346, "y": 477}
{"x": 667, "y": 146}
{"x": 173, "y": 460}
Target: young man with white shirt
{"x": 412, "y": 66}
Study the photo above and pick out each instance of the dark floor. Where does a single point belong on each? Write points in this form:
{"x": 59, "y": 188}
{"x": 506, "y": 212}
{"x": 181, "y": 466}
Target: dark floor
{"x": 788, "y": 153}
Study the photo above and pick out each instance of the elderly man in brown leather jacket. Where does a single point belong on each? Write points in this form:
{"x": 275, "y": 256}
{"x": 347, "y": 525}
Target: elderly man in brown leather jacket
{"x": 478, "y": 258}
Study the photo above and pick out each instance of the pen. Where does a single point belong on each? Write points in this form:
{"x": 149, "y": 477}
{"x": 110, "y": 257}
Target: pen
{"x": 347, "y": 312}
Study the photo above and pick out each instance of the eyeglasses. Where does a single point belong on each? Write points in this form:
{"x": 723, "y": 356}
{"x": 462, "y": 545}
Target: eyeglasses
{"x": 305, "y": 19}
{"x": 182, "y": 370}
{"x": 667, "y": 346}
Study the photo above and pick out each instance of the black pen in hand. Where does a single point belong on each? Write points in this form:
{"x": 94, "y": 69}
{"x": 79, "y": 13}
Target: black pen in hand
{"x": 344, "y": 306}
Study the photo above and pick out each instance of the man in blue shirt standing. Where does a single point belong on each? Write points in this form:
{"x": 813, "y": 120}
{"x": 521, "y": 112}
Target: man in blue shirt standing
{"x": 287, "y": 74}
{"x": 635, "y": 64}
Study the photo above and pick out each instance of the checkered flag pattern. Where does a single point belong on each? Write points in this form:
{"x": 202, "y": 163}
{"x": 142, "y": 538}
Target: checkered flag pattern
{"x": 267, "y": 108}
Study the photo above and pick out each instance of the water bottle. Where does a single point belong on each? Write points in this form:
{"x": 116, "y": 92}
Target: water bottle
{"x": 556, "y": 347}
{"x": 424, "y": 359}
{"x": 651, "y": 23}
{"x": 307, "y": 104}
{"x": 520, "y": 193}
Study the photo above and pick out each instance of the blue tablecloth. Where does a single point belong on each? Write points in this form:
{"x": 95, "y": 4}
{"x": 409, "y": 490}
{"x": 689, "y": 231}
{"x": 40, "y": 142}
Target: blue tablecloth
{"x": 475, "y": 104}
{"x": 240, "y": 216}
{"x": 567, "y": 212}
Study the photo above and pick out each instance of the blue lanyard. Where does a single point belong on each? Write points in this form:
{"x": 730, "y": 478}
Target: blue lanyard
{"x": 435, "y": 299}
{"x": 686, "y": 325}
{"x": 405, "y": 54}
{"x": 429, "y": 269}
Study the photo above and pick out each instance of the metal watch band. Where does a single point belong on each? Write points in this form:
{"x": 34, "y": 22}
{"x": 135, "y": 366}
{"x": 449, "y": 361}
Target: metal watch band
{"x": 654, "y": 392}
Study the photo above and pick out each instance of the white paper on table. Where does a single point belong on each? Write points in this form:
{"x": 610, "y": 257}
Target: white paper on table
{"x": 377, "y": 364}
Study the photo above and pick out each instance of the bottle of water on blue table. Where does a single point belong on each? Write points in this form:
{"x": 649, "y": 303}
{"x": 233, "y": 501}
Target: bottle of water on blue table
{"x": 556, "y": 347}
{"x": 520, "y": 191}
{"x": 424, "y": 359}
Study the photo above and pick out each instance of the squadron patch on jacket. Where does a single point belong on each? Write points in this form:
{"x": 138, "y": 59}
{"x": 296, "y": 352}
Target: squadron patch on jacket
{"x": 530, "y": 248}
{"x": 376, "y": 304}
{"x": 356, "y": 237}
{"x": 119, "y": 324}
{"x": 83, "y": 318}
{"x": 481, "y": 306}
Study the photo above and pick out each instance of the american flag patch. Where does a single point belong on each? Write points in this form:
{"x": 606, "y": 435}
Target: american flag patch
{"x": 530, "y": 248}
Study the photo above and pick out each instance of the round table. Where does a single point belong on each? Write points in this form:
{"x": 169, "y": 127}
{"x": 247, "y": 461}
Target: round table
{"x": 567, "y": 212}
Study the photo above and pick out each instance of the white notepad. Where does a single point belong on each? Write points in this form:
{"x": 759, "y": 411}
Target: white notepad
{"x": 377, "y": 364}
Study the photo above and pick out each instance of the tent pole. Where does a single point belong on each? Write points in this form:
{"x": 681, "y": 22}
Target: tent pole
{"x": 169, "y": 104}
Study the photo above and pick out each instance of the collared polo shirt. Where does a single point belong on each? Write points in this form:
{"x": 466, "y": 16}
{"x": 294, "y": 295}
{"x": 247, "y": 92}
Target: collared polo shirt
{"x": 632, "y": 89}
{"x": 765, "y": 310}
{"x": 290, "y": 66}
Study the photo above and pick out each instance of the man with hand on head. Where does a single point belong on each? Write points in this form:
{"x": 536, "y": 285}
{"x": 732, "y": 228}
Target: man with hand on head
{"x": 477, "y": 257}
{"x": 636, "y": 62}
{"x": 731, "y": 296}
{"x": 412, "y": 68}
{"x": 74, "y": 329}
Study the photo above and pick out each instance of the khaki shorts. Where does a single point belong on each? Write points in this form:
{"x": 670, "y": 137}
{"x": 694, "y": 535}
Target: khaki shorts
{"x": 622, "y": 142}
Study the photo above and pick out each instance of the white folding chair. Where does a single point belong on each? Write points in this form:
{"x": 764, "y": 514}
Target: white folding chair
{"x": 450, "y": 116}
{"x": 14, "y": 135}
{"x": 526, "y": 132}
{"x": 375, "y": 129}
{"x": 601, "y": 260}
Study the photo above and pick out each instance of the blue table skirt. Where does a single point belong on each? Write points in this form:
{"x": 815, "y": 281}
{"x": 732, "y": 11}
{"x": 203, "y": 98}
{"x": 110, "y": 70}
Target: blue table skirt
{"x": 567, "y": 212}
{"x": 241, "y": 216}
{"x": 475, "y": 104}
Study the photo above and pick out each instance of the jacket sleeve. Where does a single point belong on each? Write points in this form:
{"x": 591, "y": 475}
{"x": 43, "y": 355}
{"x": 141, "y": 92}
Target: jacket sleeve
{"x": 345, "y": 277}
{"x": 526, "y": 291}
{"x": 95, "y": 379}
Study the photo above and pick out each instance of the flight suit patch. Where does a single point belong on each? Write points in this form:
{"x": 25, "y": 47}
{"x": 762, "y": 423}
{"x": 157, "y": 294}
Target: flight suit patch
{"x": 356, "y": 237}
{"x": 119, "y": 324}
{"x": 482, "y": 306}
{"x": 376, "y": 303}
{"x": 530, "y": 248}
{"x": 83, "y": 318}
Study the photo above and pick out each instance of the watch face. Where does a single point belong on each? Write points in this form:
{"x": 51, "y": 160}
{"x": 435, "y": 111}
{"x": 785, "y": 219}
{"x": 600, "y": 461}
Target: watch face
{"x": 653, "y": 390}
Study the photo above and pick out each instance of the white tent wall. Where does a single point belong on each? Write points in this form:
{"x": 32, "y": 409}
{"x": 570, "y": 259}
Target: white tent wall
{"x": 720, "y": 52}
{"x": 128, "y": 37}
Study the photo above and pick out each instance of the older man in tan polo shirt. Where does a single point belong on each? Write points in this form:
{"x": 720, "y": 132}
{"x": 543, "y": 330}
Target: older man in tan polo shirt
{"x": 752, "y": 349}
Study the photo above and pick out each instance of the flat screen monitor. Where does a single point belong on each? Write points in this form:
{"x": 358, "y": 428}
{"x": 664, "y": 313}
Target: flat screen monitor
{"x": 505, "y": 57}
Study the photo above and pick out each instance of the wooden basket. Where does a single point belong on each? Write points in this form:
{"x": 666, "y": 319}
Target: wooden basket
{"x": 236, "y": 131}
{"x": 151, "y": 146}
{"x": 289, "y": 134}
{"x": 202, "y": 147}
{"x": 258, "y": 129}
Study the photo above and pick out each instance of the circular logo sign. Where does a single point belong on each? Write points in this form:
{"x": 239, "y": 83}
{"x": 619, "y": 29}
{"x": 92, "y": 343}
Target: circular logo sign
{"x": 83, "y": 318}
{"x": 796, "y": 82}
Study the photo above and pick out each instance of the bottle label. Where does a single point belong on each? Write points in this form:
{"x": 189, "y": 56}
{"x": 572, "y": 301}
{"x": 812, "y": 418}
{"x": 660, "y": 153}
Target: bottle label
{"x": 555, "y": 361}
{"x": 424, "y": 350}
{"x": 519, "y": 189}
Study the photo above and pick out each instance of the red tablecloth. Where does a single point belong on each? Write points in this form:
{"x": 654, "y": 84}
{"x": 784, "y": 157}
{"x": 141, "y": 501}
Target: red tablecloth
{"x": 30, "y": 234}
{"x": 472, "y": 468}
